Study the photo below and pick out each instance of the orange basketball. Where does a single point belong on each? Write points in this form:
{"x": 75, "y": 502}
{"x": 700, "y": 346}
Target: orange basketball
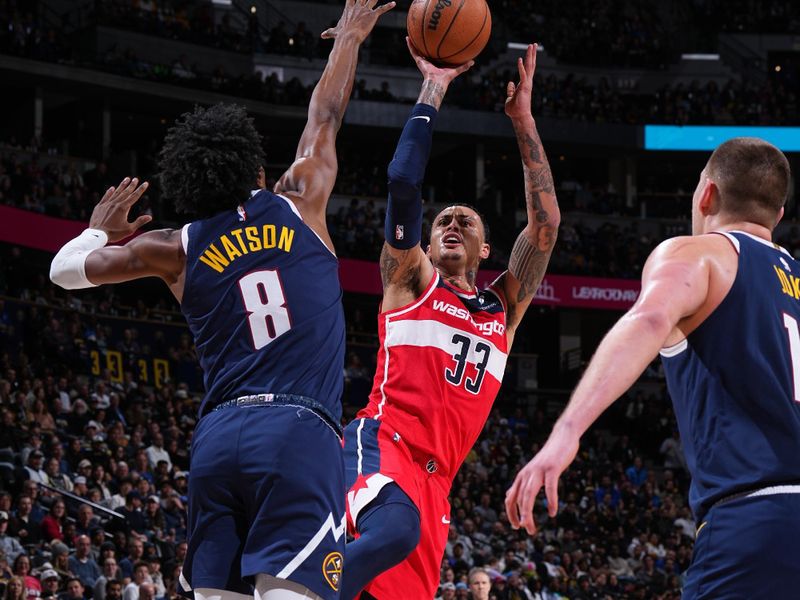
{"x": 449, "y": 31}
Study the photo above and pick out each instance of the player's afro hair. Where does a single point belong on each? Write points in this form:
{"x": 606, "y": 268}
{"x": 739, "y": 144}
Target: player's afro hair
{"x": 210, "y": 160}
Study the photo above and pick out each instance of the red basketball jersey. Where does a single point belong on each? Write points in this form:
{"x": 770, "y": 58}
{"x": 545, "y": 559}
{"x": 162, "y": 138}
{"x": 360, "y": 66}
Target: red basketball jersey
{"x": 440, "y": 366}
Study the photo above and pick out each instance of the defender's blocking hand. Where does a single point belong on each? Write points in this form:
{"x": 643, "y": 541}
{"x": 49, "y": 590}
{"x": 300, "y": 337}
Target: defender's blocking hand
{"x": 111, "y": 213}
{"x": 358, "y": 18}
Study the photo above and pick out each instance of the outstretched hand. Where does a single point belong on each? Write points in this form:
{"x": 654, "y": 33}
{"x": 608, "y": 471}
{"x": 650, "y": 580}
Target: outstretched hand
{"x": 111, "y": 213}
{"x": 441, "y": 75}
{"x": 358, "y": 18}
{"x": 518, "y": 96}
{"x": 544, "y": 470}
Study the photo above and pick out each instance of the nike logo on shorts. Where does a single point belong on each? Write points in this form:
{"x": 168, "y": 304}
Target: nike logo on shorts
{"x": 427, "y": 119}
{"x": 445, "y": 520}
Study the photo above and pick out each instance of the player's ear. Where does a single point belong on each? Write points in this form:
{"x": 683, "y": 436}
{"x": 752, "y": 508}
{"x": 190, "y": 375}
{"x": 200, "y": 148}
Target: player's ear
{"x": 485, "y": 251}
{"x": 709, "y": 199}
{"x": 428, "y": 251}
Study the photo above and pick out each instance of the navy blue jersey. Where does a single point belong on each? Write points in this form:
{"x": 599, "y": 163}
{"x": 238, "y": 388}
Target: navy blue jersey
{"x": 735, "y": 381}
{"x": 263, "y": 300}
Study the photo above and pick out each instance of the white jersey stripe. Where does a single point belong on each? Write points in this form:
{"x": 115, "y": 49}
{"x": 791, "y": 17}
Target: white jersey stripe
{"x": 431, "y": 286}
{"x": 434, "y": 334}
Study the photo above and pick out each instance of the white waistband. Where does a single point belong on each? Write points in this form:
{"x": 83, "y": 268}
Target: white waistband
{"x": 775, "y": 489}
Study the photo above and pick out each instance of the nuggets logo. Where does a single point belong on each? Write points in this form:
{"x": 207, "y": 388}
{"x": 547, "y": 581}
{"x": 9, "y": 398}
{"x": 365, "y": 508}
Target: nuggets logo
{"x": 332, "y": 569}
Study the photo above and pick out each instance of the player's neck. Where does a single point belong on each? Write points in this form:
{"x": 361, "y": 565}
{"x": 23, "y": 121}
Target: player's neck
{"x": 745, "y": 226}
{"x": 462, "y": 281}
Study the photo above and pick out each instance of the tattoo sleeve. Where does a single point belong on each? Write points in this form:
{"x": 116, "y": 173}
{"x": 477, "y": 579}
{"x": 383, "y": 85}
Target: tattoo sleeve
{"x": 393, "y": 273}
{"x": 533, "y": 247}
{"x": 432, "y": 93}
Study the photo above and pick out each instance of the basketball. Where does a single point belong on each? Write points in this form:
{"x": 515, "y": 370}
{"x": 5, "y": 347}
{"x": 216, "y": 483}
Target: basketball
{"x": 449, "y": 31}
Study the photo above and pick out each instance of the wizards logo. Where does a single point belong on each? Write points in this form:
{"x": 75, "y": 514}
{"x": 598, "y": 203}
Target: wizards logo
{"x": 332, "y": 569}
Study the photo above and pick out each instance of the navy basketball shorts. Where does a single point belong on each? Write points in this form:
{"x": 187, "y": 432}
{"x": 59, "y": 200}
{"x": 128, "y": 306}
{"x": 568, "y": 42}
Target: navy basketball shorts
{"x": 747, "y": 548}
{"x": 266, "y": 495}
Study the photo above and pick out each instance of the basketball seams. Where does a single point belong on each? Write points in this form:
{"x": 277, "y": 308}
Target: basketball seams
{"x": 472, "y": 41}
{"x": 424, "y": 20}
{"x": 446, "y": 31}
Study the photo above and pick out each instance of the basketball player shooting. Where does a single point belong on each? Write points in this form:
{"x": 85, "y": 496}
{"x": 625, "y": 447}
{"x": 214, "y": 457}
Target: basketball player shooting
{"x": 444, "y": 345}
{"x": 722, "y": 308}
{"x": 257, "y": 280}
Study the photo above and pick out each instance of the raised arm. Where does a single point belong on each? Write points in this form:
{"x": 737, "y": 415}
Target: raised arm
{"x": 675, "y": 285}
{"x": 86, "y": 261}
{"x": 535, "y": 243}
{"x": 405, "y": 270}
{"x": 310, "y": 179}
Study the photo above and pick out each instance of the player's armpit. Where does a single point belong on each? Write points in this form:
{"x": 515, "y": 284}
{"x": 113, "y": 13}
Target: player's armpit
{"x": 152, "y": 254}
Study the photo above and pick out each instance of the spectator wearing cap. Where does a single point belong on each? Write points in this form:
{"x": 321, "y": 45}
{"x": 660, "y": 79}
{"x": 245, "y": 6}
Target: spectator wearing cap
{"x": 33, "y": 444}
{"x": 111, "y": 572}
{"x": 156, "y": 451}
{"x": 51, "y": 582}
{"x": 448, "y": 591}
{"x": 462, "y": 590}
{"x": 22, "y": 568}
{"x": 85, "y": 468}
{"x": 55, "y": 477}
{"x": 53, "y": 523}
{"x": 135, "y": 554}
{"x": 34, "y": 467}
{"x": 22, "y": 526}
{"x": 154, "y": 516}
{"x": 119, "y": 499}
{"x": 82, "y": 564}
{"x": 79, "y": 486}
{"x": 9, "y": 544}
{"x": 479, "y": 584}
{"x": 74, "y": 590}
{"x": 132, "y": 511}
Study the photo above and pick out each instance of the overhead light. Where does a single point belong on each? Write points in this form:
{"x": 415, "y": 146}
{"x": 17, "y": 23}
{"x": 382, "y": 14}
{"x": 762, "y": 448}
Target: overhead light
{"x": 222, "y": 2}
{"x": 521, "y": 46}
{"x": 777, "y": 68}
{"x": 699, "y": 56}
{"x": 253, "y": 9}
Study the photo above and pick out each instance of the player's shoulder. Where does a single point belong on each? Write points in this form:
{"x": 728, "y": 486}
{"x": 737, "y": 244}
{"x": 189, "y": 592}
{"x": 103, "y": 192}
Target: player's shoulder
{"x": 693, "y": 246}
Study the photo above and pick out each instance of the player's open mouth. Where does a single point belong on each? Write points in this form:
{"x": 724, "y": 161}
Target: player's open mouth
{"x": 451, "y": 240}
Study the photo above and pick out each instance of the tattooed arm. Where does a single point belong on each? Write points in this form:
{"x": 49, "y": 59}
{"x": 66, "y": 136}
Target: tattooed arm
{"x": 534, "y": 245}
{"x": 405, "y": 269}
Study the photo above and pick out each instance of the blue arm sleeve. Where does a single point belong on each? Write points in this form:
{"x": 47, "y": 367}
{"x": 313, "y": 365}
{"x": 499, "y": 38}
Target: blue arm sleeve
{"x": 403, "y": 227}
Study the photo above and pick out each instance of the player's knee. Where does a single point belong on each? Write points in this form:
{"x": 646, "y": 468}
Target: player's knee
{"x": 404, "y": 533}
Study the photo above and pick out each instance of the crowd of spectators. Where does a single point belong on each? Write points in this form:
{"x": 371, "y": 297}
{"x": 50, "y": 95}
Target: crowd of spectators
{"x": 568, "y": 97}
{"x": 623, "y": 530}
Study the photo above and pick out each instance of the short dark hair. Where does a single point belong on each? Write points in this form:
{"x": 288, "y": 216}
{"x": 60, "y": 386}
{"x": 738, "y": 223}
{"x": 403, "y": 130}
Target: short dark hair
{"x": 753, "y": 178}
{"x": 210, "y": 159}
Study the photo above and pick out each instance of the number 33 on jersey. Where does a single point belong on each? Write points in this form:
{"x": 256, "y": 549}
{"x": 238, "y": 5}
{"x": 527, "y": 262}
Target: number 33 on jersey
{"x": 440, "y": 366}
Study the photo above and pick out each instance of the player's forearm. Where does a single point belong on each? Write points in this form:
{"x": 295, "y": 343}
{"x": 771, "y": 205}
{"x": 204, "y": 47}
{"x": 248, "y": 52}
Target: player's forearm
{"x": 403, "y": 227}
{"x": 534, "y": 245}
{"x": 432, "y": 93}
{"x": 621, "y": 358}
{"x": 332, "y": 92}
{"x": 540, "y": 194}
